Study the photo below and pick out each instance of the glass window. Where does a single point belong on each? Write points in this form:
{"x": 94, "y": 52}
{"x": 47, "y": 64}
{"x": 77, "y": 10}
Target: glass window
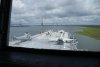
{"x": 56, "y": 24}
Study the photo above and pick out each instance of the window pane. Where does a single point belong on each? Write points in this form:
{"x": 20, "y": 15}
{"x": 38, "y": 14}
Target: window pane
{"x": 56, "y": 24}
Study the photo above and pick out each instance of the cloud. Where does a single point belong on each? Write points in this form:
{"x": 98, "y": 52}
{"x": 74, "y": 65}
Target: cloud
{"x": 75, "y": 11}
{"x": 18, "y": 4}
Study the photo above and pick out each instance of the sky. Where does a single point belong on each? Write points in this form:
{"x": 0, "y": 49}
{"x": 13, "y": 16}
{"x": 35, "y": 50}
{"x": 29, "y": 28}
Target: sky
{"x": 68, "y": 12}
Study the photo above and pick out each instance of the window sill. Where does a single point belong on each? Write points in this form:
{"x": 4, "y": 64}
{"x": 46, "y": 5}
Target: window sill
{"x": 36, "y": 60}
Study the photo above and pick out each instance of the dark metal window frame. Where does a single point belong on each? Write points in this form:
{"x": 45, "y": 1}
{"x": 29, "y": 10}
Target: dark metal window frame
{"x": 5, "y": 14}
{"x": 5, "y": 10}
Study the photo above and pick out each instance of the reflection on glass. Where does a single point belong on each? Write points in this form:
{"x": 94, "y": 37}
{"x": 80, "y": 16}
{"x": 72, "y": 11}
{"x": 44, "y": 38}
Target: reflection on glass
{"x": 54, "y": 24}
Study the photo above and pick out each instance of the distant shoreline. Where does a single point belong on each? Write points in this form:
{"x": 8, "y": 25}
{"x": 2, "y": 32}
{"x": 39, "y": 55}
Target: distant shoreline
{"x": 19, "y": 26}
{"x": 59, "y": 25}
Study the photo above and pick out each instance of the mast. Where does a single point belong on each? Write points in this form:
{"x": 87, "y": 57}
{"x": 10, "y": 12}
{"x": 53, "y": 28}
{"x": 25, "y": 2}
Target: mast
{"x": 42, "y": 22}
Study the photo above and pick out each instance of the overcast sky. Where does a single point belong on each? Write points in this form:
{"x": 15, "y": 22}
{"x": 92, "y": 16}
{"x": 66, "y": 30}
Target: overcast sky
{"x": 56, "y": 11}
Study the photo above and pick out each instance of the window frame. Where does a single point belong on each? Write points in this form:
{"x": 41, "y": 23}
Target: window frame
{"x": 5, "y": 10}
{"x": 5, "y": 15}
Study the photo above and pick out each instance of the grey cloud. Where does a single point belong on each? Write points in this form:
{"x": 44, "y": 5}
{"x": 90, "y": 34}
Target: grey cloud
{"x": 69, "y": 8}
{"x": 50, "y": 9}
